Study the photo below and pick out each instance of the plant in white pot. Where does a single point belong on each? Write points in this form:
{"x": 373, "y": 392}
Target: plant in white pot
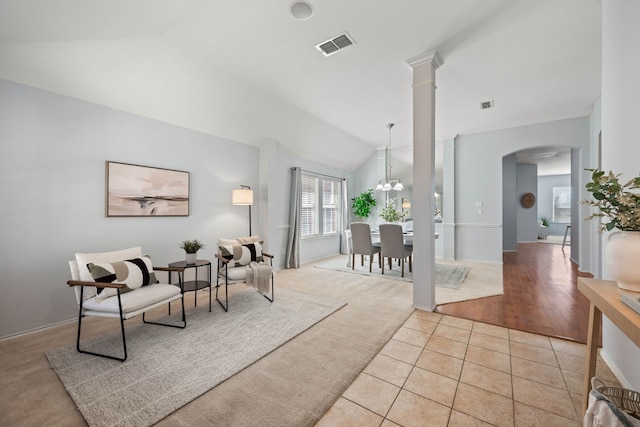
{"x": 191, "y": 248}
{"x": 620, "y": 204}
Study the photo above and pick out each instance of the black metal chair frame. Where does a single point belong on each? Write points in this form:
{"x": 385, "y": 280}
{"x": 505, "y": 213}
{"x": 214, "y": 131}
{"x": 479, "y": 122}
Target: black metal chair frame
{"x": 224, "y": 263}
{"x": 122, "y": 319}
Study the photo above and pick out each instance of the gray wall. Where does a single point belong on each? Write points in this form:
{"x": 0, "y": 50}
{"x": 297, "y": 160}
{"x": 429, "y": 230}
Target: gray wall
{"x": 315, "y": 248}
{"x": 527, "y": 220}
{"x": 52, "y": 167}
{"x": 52, "y": 164}
{"x": 479, "y": 177}
{"x": 509, "y": 204}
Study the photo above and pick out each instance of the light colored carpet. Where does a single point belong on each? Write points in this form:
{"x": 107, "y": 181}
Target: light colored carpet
{"x": 294, "y": 385}
{"x": 447, "y": 276}
{"x": 168, "y": 368}
{"x": 482, "y": 279}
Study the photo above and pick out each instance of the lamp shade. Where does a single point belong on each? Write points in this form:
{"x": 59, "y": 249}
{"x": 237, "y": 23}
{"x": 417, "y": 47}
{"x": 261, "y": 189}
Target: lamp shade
{"x": 406, "y": 204}
{"x": 242, "y": 197}
{"x": 386, "y": 186}
{"x": 398, "y": 186}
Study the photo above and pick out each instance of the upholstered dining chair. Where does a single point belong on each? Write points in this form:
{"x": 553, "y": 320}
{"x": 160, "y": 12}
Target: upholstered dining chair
{"x": 362, "y": 245}
{"x": 393, "y": 246}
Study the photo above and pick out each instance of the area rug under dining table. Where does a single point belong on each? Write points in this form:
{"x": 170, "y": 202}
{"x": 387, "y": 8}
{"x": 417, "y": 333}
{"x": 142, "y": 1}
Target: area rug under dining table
{"x": 167, "y": 368}
{"x": 447, "y": 276}
{"x": 456, "y": 281}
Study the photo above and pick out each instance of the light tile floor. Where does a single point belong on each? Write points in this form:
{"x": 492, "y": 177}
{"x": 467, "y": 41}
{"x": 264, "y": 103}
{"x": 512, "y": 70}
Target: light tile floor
{"x": 444, "y": 371}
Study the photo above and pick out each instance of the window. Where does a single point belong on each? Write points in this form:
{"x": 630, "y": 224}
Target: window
{"x": 562, "y": 204}
{"x": 320, "y": 214}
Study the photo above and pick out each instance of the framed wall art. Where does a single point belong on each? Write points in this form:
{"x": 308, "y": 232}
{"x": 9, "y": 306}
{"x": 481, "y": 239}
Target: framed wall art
{"x": 134, "y": 190}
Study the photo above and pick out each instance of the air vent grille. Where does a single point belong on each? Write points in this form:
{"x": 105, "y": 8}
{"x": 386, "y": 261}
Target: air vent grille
{"x": 334, "y": 44}
{"x": 487, "y": 104}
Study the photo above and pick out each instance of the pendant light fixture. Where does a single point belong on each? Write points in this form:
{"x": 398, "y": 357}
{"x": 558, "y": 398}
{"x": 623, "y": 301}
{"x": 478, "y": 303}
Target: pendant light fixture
{"x": 388, "y": 183}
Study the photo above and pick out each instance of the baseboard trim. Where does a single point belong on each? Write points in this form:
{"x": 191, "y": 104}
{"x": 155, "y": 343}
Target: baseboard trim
{"x": 38, "y": 329}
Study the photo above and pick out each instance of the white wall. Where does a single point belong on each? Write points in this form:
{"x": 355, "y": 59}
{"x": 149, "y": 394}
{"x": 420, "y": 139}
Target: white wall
{"x": 591, "y": 247}
{"x": 479, "y": 179}
{"x": 620, "y": 148}
{"x": 192, "y": 91}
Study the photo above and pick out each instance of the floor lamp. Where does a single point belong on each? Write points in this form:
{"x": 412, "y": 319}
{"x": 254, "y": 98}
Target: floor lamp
{"x": 243, "y": 196}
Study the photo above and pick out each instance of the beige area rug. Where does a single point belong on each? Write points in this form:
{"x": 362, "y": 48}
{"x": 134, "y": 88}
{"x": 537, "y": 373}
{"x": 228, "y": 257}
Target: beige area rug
{"x": 447, "y": 276}
{"x": 480, "y": 280}
{"x": 167, "y": 368}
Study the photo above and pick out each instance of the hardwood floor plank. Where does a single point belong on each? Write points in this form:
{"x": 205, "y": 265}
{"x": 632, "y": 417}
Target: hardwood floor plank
{"x": 540, "y": 295}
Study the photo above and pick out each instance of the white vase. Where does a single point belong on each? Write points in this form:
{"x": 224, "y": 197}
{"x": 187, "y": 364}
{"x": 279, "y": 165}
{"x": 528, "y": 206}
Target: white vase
{"x": 622, "y": 258}
{"x": 191, "y": 258}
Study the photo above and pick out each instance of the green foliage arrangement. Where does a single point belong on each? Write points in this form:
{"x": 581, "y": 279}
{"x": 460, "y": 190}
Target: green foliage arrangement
{"x": 390, "y": 213}
{"x": 363, "y": 204}
{"x": 191, "y": 246}
{"x": 545, "y": 221}
{"x": 615, "y": 201}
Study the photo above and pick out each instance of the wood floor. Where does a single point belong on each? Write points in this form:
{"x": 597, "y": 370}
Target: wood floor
{"x": 540, "y": 295}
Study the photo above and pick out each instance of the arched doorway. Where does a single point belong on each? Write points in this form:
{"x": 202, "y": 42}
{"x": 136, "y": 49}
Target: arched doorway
{"x": 550, "y": 174}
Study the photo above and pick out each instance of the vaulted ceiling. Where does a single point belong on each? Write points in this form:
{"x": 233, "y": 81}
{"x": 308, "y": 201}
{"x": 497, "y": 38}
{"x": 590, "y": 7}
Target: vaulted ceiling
{"x": 536, "y": 60}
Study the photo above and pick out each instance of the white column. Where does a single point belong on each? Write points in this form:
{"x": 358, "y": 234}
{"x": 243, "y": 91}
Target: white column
{"x": 424, "y": 99}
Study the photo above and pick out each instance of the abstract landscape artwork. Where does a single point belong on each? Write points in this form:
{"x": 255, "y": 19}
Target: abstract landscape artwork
{"x": 134, "y": 190}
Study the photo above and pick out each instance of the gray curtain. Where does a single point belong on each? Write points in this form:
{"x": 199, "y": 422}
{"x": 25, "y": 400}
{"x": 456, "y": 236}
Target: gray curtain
{"x": 293, "y": 242}
{"x": 346, "y": 215}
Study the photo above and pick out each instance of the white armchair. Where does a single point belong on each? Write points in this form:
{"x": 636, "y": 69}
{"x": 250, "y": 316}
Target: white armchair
{"x": 242, "y": 260}
{"x": 543, "y": 230}
{"x": 119, "y": 284}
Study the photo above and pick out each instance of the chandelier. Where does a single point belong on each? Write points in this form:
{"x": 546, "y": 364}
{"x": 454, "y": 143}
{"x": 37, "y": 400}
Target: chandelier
{"x": 388, "y": 183}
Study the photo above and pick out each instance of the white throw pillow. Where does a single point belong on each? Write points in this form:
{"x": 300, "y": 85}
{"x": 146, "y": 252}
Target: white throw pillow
{"x": 85, "y": 258}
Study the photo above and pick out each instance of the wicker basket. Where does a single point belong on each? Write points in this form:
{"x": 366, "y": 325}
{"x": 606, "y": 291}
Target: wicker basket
{"x": 623, "y": 398}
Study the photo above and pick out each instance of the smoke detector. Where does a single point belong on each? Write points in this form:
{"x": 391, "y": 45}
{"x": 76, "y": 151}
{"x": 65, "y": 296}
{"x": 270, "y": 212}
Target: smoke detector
{"x": 334, "y": 44}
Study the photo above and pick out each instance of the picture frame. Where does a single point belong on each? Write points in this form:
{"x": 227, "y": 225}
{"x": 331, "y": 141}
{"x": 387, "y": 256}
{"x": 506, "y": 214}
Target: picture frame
{"x": 135, "y": 190}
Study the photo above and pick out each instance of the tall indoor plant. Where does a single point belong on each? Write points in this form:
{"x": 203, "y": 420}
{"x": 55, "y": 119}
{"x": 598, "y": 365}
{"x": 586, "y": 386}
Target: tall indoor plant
{"x": 363, "y": 204}
{"x": 620, "y": 204}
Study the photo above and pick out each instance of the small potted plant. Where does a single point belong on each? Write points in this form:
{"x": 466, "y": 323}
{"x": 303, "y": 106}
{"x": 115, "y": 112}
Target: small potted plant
{"x": 191, "y": 248}
{"x": 363, "y": 204}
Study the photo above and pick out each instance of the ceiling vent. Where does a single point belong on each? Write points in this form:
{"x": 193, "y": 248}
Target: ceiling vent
{"x": 334, "y": 44}
{"x": 486, "y": 105}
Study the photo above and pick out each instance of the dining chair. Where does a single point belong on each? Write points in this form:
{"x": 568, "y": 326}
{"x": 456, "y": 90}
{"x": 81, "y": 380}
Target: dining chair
{"x": 362, "y": 244}
{"x": 393, "y": 246}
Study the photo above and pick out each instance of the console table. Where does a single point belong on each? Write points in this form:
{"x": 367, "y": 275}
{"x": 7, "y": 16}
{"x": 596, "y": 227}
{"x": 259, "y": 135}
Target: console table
{"x": 197, "y": 284}
{"x": 604, "y": 296}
